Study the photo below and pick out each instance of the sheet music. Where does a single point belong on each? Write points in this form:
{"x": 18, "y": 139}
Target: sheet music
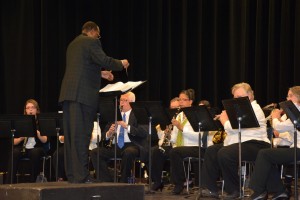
{"x": 120, "y": 86}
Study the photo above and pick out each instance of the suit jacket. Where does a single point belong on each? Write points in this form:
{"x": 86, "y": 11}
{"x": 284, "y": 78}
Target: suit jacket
{"x": 138, "y": 135}
{"x": 82, "y": 80}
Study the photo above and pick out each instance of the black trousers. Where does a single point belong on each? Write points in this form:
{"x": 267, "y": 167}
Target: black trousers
{"x": 266, "y": 176}
{"x": 78, "y": 126}
{"x": 177, "y": 155}
{"x": 159, "y": 158}
{"x": 34, "y": 156}
{"x": 128, "y": 154}
{"x": 225, "y": 159}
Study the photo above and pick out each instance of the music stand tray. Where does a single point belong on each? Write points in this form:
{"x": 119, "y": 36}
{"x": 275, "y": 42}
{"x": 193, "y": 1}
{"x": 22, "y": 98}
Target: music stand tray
{"x": 291, "y": 111}
{"x": 240, "y": 108}
{"x": 200, "y": 114}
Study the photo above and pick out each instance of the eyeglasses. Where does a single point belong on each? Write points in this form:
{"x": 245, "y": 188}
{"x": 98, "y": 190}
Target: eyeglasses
{"x": 290, "y": 95}
{"x": 30, "y": 107}
{"x": 183, "y": 99}
{"x": 123, "y": 100}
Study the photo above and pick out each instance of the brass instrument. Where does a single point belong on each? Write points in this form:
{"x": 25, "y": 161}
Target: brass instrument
{"x": 219, "y": 137}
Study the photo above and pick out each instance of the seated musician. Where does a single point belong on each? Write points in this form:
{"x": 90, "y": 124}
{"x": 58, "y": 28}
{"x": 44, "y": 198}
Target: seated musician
{"x": 31, "y": 147}
{"x": 131, "y": 142}
{"x": 266, "y": 177}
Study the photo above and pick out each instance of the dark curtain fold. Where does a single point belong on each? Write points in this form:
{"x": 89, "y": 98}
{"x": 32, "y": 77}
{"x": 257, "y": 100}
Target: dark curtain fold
{"x": 207, "y": 45}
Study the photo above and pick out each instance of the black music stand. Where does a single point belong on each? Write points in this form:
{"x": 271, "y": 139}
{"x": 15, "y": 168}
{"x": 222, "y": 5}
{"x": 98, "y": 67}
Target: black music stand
{"x": 12, "y": 126}
{"x": 51, "y": 124}
{"x": 108, "y": 109}
{"x": 241, "y": 115}
{"x": 149, "y": 112}
{"x": 201, "y": 120}
{"x": 294, "y": 115}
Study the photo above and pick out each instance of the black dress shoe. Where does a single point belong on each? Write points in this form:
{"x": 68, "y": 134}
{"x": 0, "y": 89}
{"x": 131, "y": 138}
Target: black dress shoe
{"x": 262, "y": 196}
{"x": 281, "y": 196}
{"x": 177, "y": 189}
{"x": 158, "y": 186}
{"x": 232, "y": 195}
{"x": 91, "y": 180}
{"x": 207, "y": 193}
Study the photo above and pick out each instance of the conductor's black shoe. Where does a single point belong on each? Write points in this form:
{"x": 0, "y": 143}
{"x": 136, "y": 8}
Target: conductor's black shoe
{"x": 232, "y": 195}
{"x": 158, "y": 186}
{"x": 207, "y": 193}
{"x": 262, "y": 196}
{"x": 281, "y": 196}
{"x": 90, "y": 179}
{"x": 177, "y": 189}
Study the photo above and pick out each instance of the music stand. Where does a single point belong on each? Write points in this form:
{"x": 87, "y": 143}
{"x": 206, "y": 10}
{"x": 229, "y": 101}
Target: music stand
{"x": 241, "y": 115}
{"x": 51, "y": 124}
{"x": 13, "y": 126}
{"x": 149, "y": 112}
{"x": 108, "y": 109}
{"x": 294, "y": 115}
{"x": 200, "y": 120}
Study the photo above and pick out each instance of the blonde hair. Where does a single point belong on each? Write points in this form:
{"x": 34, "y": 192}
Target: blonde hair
{"x": 246, "y": 87}
{"x": 296, "y": 92}
{"x": 35, "y": 103}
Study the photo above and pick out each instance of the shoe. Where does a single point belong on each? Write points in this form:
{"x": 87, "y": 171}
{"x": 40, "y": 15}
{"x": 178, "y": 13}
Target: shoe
{"x": 281, "y": 196}
{"x": 232, "y": 195}
{"x": 157, "y": 186}
{"x": 207, "y": 193}
{"x": 191, "y": 184}
{"x": 90, "y": 179}
{"x": 262, "y": 196}
{"x": 177, "y": 189}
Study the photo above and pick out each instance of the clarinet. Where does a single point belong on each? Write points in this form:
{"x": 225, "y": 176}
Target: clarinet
{"x": 111, "y": 139}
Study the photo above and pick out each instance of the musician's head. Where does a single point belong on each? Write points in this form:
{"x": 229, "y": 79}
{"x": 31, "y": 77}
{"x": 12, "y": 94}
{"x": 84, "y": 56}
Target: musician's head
{"x": 125, "y": 100}
{"x": 294, "y": 94}
{"x": 186, "y": 98}
{"x": 91, "y": 29}
{"x": 174, "y": 103}
{"x": 31, "y": 107}
{"x": 242, "y": 90}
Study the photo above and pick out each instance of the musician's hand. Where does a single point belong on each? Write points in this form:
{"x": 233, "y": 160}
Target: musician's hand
{"x": 122, "y": 123}
{"x": 176, "y": 123}
{"x": 107, "y": 75}
{"x": 223, "y": 117}
{"x": 276, "y": 133}
{"x": 276, "y": 113}
{"x": 110, "y": 131}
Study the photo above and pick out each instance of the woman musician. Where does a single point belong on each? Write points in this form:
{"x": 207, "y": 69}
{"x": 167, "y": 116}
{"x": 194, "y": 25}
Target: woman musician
{"x": 32, "y": 147}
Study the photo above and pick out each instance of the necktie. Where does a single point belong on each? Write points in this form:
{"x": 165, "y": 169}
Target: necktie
{"x": 179, "y": 140}
{"x": 121, "y": 134}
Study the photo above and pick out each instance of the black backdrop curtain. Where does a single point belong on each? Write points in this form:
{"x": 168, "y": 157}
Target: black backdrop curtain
{"x": 207, "y": 45}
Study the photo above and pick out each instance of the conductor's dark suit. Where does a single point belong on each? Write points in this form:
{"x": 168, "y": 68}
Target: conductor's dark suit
{"x": 136, "y": 148}
{"x": 79, "y": 95}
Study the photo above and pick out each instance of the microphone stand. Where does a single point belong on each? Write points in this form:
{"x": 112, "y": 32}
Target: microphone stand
{"x": 295, "y": 160}
{"x": 199, "y": 181}
{"x": 115, "y": 140}
{"x": 98, "y": 145}
{"x": 239, "y": 119}
{"x": 149, "y": 170}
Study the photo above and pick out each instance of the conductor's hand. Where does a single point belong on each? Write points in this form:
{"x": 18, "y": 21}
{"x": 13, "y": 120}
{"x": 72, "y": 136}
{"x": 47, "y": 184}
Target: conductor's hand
{"x": 107, "y": 75}
{"x": 125, "y": 63}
